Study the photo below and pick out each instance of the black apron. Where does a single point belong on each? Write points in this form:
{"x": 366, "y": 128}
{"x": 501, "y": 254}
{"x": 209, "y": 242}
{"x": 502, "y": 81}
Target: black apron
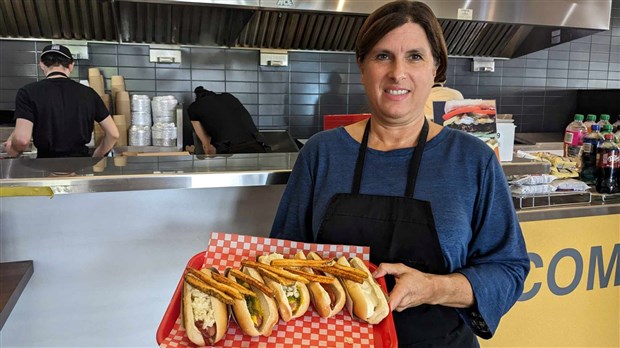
{"x": 398, "y": 230}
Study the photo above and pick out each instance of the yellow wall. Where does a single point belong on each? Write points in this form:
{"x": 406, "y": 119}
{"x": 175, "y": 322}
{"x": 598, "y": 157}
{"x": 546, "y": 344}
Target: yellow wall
{"x": 564, "y": 312}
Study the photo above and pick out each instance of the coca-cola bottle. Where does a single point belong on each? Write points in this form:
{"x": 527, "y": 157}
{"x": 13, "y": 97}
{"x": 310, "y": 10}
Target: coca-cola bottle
{"x": 608, "y": 166}
{"x": 573, "y": 137}
{"x": 588, "y": 155}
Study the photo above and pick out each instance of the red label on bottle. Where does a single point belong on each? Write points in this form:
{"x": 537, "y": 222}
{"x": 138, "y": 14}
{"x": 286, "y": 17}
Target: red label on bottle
{"x": 609, "y": 159}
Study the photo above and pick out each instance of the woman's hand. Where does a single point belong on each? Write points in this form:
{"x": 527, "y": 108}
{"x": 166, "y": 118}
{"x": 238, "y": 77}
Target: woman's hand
{"x": 414, "y": 288}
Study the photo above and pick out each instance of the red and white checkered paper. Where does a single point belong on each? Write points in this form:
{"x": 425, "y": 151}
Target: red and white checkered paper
{"x": 310, "y": 330}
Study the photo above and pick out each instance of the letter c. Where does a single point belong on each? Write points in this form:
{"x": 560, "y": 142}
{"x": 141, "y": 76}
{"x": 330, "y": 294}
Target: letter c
{"x": 538, "y": 263}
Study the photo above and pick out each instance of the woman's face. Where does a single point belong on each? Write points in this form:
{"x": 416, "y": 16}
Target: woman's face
{"x": 398, "y": 74}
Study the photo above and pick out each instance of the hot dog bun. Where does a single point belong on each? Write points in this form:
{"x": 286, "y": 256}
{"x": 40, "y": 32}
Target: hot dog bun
{"x": 295, "y": 295}
{"x": 267, "y": 311}
{"x": 367, "y": 300}
{"x": 205, "y": 317}
{"x": 327, "y": 299}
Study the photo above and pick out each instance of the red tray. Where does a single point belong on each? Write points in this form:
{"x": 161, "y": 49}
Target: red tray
{"x": 384, "y": 333}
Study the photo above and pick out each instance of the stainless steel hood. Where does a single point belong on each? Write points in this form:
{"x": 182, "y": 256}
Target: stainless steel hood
{"x": 473, "y": 28}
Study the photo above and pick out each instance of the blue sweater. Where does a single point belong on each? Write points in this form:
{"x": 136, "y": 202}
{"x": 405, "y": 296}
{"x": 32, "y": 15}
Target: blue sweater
{"x": 460, "y": 176}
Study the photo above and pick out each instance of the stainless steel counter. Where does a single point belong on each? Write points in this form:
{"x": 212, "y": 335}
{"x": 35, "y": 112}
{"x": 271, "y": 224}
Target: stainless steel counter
{"x": 83, "y": 175}
{"x": 120, "y": 174}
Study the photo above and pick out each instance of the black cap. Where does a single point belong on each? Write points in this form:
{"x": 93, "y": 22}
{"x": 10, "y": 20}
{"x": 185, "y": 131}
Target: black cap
{"x": 55, "y": 48}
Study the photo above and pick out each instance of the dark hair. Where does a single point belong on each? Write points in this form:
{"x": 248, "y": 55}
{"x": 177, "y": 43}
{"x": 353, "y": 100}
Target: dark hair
{"x": 55, "y": 59}
{"x": 394, "y": 14}
{"x": 201, "y": 92}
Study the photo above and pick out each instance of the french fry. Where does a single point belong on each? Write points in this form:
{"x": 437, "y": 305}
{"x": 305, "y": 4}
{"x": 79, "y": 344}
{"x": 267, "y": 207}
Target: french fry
{"x": 311, "y": 276}
{"x": 252, "y": 281}
{"x": 280, "y": 280}
{"x": 200, "y": 285}
{"x": 355, "y": 271}
{"x": 228, "y": 290}
{"x": 276, "y": 270}
{"x": 298, "y": 263}
{"x": 342, "y": 273}
{"x": 242, "y": 289}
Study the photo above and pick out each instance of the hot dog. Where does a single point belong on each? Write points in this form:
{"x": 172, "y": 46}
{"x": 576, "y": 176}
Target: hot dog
{"x": 291, "y": 295}
{"x": 327, "y": 298}
{"x": 205, "y": 314}
{"x": 366, "y": 300}
{"x": 256, "y": 315}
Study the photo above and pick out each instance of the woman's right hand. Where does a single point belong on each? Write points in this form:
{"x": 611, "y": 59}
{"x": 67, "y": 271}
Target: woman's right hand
{"x": 412, "y": 287}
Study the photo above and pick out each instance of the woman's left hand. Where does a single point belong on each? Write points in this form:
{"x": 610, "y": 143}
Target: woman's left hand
{"x": 412, "y": 287}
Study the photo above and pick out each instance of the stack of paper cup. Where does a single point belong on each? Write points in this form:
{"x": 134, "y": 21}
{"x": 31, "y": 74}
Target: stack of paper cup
{"x": 141, "y": 110}
{"x": 164, "y": 109}
{"x": 107, "y": 101}
{"x": 121, "y": 124}
{"x": 122, "y": 104}
{"x": 95, "y": 80}
{"x": 117, "y": 85}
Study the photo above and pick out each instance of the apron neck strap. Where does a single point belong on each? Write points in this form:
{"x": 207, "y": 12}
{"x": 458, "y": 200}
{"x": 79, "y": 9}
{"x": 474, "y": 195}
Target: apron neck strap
{"x": 414, "y": 163}
{"x": 359, "y": 165}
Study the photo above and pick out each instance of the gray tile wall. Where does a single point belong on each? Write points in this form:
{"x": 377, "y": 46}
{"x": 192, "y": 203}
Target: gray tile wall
{"x": 538, "y": 89}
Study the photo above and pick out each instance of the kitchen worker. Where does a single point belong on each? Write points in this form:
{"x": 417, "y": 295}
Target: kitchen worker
{"x": 59, "y": 113}
{"x": 432, "y": 203}
{"x": 440, "y": 93}
{"x": 223, "y": 124}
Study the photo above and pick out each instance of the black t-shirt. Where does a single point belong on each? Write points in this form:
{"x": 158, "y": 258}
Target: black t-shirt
{"x": 63, "y": 113}
{"x": 224, "y": 118}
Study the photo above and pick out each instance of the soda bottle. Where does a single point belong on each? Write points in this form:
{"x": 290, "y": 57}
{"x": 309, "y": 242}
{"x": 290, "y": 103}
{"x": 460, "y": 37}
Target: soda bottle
{"x": 608, "y": 166}
{"x": 608, "y": 129}
{"x": 604, "y": 120}
{"x": 616, "y": 125}
{"x": 590, "y": 120}
{"x": 588, "y": 154}
{"x": 573, "y": 137}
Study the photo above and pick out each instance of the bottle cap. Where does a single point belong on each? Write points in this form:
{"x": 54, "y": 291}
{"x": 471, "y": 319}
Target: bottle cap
{"x": 609, "y": 136}
{"x": 591, "y": 117}
{"x": 604, "y": 117}
{"x": 578, "y": 117}
{"x": 607, "y": 128}
{"x": 596, "y": 127}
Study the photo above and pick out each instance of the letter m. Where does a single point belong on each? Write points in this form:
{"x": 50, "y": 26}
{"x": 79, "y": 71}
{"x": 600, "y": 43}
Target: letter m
{"x": 597, "y": 266}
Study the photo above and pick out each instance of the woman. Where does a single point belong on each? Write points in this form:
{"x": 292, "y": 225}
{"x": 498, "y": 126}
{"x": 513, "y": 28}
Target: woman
{"x": 453, "y": 270}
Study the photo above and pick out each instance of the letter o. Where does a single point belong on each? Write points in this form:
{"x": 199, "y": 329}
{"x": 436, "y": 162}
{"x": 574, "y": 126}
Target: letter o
{"x": 553, "y": 285}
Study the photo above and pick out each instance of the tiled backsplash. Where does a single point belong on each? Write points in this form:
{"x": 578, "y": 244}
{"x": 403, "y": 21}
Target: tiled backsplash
{"x": 538, "y": 89}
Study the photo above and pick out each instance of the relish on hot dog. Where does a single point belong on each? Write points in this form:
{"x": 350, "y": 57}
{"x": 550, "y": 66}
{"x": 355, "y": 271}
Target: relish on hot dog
{"x": 205, "y": 315}
{"x": 327, "y": 298}
{"x": 257, "y": 314}
{"x": 291, "y": 293}
{"x": 365, "y": 300}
